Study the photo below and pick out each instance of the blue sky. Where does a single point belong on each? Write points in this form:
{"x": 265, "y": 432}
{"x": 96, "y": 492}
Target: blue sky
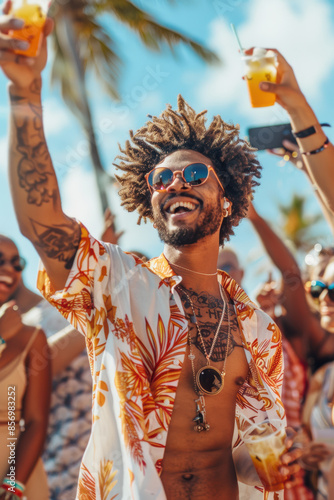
{"x": 303, "y": 30}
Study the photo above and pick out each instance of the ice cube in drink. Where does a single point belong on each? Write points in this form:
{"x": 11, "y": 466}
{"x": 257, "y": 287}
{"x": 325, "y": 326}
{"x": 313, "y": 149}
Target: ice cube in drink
{"x": 260, "y": 67}
{"x": 265, "y": 451}
{"x": 34, "y": 17}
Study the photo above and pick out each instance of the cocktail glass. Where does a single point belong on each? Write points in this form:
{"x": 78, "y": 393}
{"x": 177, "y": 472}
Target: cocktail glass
{"x": 260, "y": 67}
{"x": 33, "y": 12}
{"x": 265, "y": 442}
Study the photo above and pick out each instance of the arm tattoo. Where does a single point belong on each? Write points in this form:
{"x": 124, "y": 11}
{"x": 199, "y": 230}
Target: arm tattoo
{"x": 208, "y": 310}
{"x": 35, "y": 172}
{"x": 59, "y": 242}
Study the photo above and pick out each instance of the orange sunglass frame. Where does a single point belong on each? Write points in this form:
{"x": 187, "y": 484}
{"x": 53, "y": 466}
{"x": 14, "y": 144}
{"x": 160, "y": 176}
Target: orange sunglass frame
{"x": 209, "y": 167}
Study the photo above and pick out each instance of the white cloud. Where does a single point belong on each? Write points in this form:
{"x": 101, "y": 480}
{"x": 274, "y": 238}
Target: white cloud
{"x": 80, "y": 198}
{"x": 300, "y": 29}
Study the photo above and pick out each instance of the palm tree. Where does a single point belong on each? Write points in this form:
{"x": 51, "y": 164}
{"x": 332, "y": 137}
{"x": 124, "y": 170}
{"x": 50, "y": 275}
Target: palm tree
{"x": 296, "y": 225}
{"x": 82, "y": 44}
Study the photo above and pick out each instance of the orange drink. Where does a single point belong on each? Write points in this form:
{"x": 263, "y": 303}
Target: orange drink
{"x": 260, "y": 67}
{"x": 34, "y": 16}
{"x": 266, "y": 444}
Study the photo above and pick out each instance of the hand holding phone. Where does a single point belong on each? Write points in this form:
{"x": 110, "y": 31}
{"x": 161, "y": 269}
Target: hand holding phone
{"x": 270, "y": 137}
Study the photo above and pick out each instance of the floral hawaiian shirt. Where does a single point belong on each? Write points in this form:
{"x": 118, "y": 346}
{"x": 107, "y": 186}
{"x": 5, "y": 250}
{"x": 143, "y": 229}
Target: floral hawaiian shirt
{"x": 136, "y": 335}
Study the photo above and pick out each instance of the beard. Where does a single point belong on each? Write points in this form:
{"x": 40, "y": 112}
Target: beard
{"x": 208, "y": 223}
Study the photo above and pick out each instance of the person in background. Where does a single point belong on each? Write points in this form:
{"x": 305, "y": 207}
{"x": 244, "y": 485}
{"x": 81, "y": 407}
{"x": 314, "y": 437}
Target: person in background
{"x": 318, "y": 414}
{"x": 70, "y": 412}
{"x": 269, "y": 297}
{"x": 25, "y": 389}
{"x": 309, "y": 339}
{"x": 228, "y": 261}
{"x": 317, "y": 151}
{"x": 292, "y": 154}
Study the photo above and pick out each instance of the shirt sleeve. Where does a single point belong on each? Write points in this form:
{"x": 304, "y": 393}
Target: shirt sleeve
{"x": 86, "y": 300}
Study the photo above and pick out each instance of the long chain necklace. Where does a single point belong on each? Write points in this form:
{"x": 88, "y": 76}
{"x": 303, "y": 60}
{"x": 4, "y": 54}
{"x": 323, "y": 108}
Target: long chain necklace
{"x": 191, "y": 270}
{"x": 208, "y": 380}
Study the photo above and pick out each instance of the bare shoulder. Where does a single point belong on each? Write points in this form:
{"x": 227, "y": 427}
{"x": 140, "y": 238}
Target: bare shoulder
{"x": 34, "y": 338}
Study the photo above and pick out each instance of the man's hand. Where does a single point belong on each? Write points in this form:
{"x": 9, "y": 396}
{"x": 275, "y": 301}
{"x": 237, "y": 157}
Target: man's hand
{"x": 290, "y": 468}
{"x": 20, "y": 70}
{"x": 287, "y": 90}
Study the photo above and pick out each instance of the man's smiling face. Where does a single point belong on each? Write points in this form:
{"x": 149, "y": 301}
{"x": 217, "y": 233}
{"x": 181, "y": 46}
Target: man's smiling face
{"x": 185, "y": 214}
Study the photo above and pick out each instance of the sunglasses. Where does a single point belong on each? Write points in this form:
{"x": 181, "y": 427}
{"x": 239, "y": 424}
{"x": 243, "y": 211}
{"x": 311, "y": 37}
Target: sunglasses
{"x": 194, "y": 174}
{"x": 17, "y": 263}
{"x": 315, "y": 289}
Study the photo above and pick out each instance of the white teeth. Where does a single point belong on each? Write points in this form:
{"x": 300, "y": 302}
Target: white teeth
{"x": 6, "y": 279}
{"x": 185, "y": 204}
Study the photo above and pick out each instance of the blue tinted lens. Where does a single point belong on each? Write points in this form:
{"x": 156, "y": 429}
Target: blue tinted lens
{"x": 196, "y": 173}
{"x": 317, "y": 287}
{"x": 160, "y": 178}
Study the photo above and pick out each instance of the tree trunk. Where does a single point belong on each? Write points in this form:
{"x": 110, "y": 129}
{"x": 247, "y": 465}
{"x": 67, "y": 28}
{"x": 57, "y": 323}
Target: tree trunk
{"x": 66, "y": 40}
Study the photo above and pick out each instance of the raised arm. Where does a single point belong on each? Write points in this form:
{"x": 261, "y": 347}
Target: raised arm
{"x": 32, "y": 177}
{"x": 302, "y": 117}
{"x": 298, "y": 314}
{"x": 299, "y": 163}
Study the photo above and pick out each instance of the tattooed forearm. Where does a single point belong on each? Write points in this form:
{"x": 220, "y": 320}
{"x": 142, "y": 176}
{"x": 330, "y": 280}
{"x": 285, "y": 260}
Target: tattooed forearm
{"x": 208, "y": 310}
{"x": 58, "y": 242}
{"x": 36, "y": 86}
{"x": 34, "y": 168}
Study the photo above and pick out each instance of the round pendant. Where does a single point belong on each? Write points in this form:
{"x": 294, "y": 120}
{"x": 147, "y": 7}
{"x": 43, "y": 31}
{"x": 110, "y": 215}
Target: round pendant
{"x": 210, "y": 380}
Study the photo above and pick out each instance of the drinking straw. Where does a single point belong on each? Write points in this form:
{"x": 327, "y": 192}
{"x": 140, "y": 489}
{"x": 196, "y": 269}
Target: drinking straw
{"x": 237, "y": 38}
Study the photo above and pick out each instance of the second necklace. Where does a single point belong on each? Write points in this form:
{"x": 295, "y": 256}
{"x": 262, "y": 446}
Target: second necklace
{"x": 208, "y": 381}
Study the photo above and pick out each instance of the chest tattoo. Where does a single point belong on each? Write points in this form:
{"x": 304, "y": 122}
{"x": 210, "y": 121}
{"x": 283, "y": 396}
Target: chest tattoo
{"x": 208, "y": 310}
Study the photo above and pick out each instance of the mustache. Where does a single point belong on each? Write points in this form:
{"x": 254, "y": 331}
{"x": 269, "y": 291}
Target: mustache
{"x": 177, "y": 195}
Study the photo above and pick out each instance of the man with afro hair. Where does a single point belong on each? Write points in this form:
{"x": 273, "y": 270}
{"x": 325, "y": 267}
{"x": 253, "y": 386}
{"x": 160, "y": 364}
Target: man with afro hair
{"x": 180, "y": 357}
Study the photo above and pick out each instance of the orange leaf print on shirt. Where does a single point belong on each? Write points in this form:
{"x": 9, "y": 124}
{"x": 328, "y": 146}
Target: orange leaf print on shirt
{"x": 98, "y": 346}
{"x": 165, "y": 346}
{"x": 107, "y": 479}
{"x": 124, "y": 331}
{"x": 103, "y": 273}
{"x": 131, "y": 416}
{"x": 86, "y": 485}
{"x": 100, "y": 397}
{"x": 244, "y": 311}
{"x": 276, "y": 337}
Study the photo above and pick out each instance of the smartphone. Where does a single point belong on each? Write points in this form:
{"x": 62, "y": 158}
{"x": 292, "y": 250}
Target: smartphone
{"x": 270, "y": 137}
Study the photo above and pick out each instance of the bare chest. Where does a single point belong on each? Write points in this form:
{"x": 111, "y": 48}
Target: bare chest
{"x": 213, "y": 371}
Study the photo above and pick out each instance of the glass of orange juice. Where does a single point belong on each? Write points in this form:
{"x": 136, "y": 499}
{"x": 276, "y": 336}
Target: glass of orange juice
{"x": 33, "y": 13}
{"x": 260, "y": 67}
{"x": 266, "y": 444}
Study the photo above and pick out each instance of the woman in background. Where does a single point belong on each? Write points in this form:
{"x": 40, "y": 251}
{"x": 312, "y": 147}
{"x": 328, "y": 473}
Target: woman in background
{"x": 25, "y": 388}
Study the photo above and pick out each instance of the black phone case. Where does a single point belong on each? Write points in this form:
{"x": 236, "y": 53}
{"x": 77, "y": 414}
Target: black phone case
{"x": 270, "y": 137}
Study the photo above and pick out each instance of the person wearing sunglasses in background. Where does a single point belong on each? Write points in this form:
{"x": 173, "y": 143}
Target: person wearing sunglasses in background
{"x": 25, "y": 388}
{"x": 308, "y": 326}
{"x": 70, "y": 410}
{"x": 318, "y": 412}
{"x": 179, "y": 353}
